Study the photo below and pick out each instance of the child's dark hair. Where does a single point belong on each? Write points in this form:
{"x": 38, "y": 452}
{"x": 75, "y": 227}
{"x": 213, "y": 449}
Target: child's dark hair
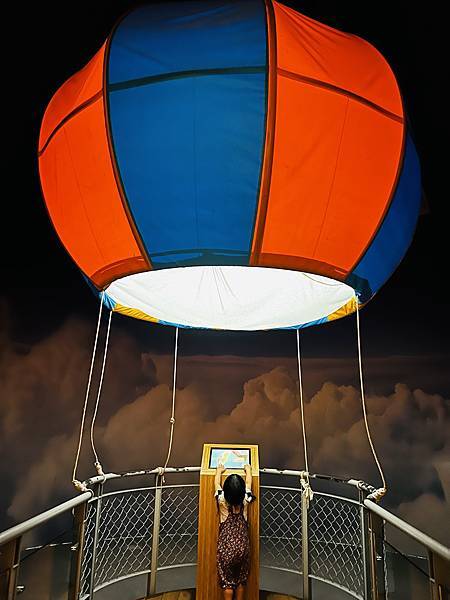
{"x": 234, "y": 490}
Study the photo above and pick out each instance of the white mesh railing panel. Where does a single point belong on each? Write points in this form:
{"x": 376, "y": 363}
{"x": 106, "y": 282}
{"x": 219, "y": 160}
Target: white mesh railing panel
{"x": 335, "y": 548}
{"x": 280, "y": 528}
{"x": 179, "y": 526}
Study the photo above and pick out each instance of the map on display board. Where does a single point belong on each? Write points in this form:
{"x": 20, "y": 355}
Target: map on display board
{"x": 230, "y": 458}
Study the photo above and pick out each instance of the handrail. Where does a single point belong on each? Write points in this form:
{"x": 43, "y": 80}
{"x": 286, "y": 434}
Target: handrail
{"x": 18, "y": 530}
{"x": 358, "y": 483}
{"x": 414, "y": 533}
{"x": 157, "y": 471}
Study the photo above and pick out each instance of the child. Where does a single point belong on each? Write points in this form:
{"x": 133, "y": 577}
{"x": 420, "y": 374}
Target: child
{"x": 233, "y": 544}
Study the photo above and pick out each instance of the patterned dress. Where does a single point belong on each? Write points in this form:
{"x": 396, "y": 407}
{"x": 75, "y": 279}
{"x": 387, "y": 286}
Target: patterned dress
{"x": 233, "y": 550}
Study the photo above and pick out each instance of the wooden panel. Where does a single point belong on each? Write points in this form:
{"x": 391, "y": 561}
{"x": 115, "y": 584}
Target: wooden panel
{"x": 208, "y": 527}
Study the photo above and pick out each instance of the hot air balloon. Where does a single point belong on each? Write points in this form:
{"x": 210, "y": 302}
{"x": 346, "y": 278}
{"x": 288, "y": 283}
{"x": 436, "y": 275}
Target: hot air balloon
{"x": 231, "y": 165}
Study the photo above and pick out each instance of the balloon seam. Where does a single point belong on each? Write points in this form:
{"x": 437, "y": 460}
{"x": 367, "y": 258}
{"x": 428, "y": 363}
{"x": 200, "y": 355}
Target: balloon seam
{"x": 120, "y": 187}
{"x": 342, "y": 91}
{"x": 268, "y": 149}
{"x": 387, "y": 206}
{"x": 68, "y": 117}
{"x": 152, "y": 79}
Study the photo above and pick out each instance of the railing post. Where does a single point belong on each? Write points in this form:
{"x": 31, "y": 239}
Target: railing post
{"x": 9, "y": 568}
{"x": 79, "y": 521}
{"x": 439, "y": 571}
{"x": 305, "y": 547}
{"x": 376, "y": 549}
{"x": 365, "y": 546}
{"x": 151, "y": 582}
{"x": 98, "y": 495}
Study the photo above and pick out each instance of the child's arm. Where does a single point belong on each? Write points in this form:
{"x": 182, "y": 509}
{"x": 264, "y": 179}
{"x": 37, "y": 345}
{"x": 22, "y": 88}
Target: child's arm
{"x": 248, "y": 477}
{"x": 249, "y": 497}
{"x": 219, "y": 470}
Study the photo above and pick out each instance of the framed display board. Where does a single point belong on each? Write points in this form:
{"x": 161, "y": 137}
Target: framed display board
{"x": 230, "y": 458}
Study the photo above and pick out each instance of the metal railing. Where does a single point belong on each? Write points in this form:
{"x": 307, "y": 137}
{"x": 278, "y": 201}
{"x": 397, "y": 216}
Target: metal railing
{"x": 141, "y": 533}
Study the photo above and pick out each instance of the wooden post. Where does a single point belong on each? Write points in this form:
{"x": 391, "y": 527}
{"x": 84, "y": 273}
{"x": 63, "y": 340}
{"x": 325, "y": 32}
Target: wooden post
{"x": 439, "y": 570}
{"x": 151, "y": 581}
{"x": 208, "y": 526}
{"x": 79, "y": 520}
{"x": 9, "y": 568}
{"x": 376, "y": 536}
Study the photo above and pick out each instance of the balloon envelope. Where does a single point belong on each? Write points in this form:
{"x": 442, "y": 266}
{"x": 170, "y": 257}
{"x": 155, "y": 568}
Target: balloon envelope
{"x": 231, "y": 165}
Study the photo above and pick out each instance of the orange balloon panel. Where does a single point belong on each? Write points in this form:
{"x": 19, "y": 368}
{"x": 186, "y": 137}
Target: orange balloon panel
{"x": 83, "y": 199}
{"x": 80, "y": 89}
{"x": 314, "y": 50}
{"x": 335, "y": 158}
{"x": 365, "y": 176}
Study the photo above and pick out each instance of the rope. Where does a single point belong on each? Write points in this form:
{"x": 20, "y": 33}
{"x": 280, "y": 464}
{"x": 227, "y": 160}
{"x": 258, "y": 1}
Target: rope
{"x": 97, "y": 463}
{"x": 302, "y": 410}
{"x": 377, "y": 494}
{"x": 304, "y": 477}
{"x": 172, "y": 416}
{"x": 78, "y": 485}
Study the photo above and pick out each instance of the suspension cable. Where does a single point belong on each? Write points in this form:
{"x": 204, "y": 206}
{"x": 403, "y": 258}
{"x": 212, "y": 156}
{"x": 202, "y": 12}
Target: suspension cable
{"x": 97, "y": 463}
{"x": 302, "y": 409}
{"x": 304, "y": 477}
{"x": 78, "y": 485}
{"x": 172, "y": 416}
{"x": 378, "y": 494}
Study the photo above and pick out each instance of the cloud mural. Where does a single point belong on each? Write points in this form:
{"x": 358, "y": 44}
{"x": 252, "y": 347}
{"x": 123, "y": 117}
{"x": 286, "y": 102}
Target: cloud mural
{"x": 221, "y": 399}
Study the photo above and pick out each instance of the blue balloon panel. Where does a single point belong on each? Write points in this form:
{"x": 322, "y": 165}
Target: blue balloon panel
{"x": 191, "y": 168}
{"x": 172, "y": 37}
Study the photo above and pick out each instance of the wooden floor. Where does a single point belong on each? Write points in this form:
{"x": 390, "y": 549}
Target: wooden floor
{"x": 190, "y": 595}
